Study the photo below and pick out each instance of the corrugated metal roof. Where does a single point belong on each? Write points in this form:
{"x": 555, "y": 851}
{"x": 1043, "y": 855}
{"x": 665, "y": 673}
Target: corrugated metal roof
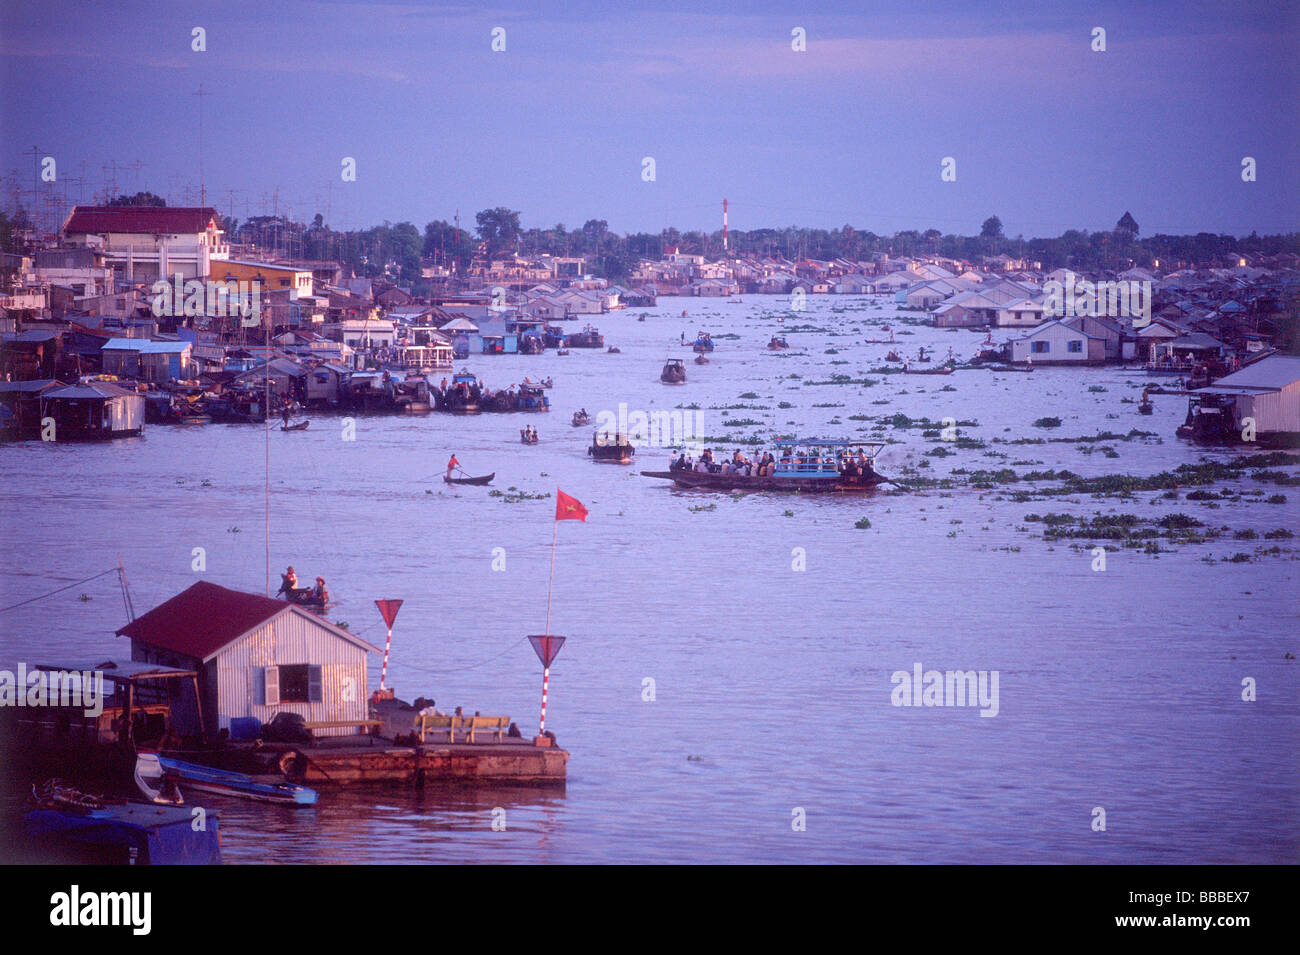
{"x": 1267, "y": 374}
{"x": 201, "y": 620}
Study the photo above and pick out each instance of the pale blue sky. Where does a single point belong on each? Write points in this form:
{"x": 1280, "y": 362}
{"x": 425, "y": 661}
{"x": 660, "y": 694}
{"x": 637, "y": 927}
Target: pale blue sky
{"x": 1047, "y": 134}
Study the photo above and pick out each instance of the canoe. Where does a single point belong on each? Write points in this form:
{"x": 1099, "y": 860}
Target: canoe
{"x": 941, "y": 370}
{"x": 300, "y": 426}
{"x": 225, "y": 782}
{"x": 485, "y": 479}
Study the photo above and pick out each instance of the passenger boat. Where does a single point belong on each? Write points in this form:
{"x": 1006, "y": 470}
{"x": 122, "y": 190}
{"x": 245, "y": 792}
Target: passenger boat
{"x": 674, "y": 372}
{"x": 615, "y": 449}
{"x": 581, "y": 418}
{"x": 703, "y": 343}
{"x": 589, "y": 337}
{"x": 476, "y": 481}
{"x": 777, "y": 344}
{"x": 225, "y": 782}
{"x": 528, "y": 437}
{"x": 807, "y": 466}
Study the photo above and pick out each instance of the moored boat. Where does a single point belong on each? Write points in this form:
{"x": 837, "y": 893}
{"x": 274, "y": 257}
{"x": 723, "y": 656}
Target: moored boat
{"x": 589, "y": 337}
{"x": 225, "y": 782}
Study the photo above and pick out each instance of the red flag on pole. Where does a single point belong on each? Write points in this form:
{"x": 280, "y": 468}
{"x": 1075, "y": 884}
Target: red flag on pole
{"x": 568, "y": 508}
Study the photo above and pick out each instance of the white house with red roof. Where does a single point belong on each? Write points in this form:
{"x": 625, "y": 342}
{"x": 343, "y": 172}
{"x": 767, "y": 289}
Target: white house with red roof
{"x": 256, "y": 656}
{"x": 146, "y": 243}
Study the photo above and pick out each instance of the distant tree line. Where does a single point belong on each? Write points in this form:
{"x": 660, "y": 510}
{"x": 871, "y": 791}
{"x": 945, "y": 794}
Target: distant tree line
{"x": 397, "y": 250}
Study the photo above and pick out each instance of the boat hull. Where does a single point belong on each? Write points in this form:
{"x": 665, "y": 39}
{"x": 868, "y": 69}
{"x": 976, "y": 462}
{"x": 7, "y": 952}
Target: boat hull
{"x": 738, "y": 482}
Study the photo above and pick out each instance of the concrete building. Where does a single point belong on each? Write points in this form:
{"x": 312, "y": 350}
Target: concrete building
{"x": 145, "y": 243}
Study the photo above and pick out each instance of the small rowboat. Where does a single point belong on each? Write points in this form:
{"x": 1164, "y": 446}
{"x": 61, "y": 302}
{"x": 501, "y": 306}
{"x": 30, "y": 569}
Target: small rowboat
{"x": 485, "y": 479}
{"x": 225, "y": 782}
{"x": 154, "y": 782}
{"x": 939, "y": 370}
{"x": 300, "y": 426}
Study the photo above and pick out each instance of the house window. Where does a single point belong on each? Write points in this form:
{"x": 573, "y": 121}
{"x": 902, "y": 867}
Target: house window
{"x": 296, "y": 683}
{"x": 1075, "y": 347}
{"x": 1041, "y": 348}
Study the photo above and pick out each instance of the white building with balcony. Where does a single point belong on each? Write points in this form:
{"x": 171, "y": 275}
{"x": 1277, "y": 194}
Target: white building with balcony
{"x": 143, "y": 244}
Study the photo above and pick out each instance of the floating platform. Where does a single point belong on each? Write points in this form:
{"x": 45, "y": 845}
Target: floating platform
{"x": 512, "y": 761}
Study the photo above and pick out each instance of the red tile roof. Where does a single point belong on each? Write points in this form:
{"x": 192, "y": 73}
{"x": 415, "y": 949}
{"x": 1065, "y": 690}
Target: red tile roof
{"x": 201, "y": 620}
{"x": 148, "y": 220}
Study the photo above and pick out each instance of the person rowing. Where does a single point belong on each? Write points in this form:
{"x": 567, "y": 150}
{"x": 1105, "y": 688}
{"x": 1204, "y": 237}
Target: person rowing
{"x": 452, "y": 465}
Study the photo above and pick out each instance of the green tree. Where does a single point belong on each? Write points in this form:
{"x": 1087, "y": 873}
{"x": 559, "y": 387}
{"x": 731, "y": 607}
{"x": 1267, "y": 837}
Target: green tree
{"x": 499, "y": 228}
{"x": 1127, "y": 224}
{"x": 992, "y": 228}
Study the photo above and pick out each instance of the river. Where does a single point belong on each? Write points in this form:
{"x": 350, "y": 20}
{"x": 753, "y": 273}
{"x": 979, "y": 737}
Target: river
{"x": 725, "y": 691}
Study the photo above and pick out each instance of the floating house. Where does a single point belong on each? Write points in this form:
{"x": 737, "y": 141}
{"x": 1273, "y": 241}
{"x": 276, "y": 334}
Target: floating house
{"x": 93, "y": 411}
{"x": 20, "y": 408}
{"x": 1058, "y": 343}
{"x": 1266, "y": 392}
{"x": 147, "y": 360}
{"x": 256, "y": 657}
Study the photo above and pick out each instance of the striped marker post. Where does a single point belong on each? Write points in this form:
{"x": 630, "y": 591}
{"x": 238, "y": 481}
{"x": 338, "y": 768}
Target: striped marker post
{"x": 389, "y": 610}
{"x": 547, "y": 647}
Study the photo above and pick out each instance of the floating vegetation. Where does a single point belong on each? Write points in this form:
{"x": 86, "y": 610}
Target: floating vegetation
{"x": 516, "y": 497}
{"x": 741, "y": 423}
{"x": 862, "y": 524}
{"x": 697, "y": 508}
{"x": 1047, "y": 423}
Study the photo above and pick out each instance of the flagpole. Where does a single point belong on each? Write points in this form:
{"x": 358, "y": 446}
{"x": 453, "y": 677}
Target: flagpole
{"x": 555, "y": 530}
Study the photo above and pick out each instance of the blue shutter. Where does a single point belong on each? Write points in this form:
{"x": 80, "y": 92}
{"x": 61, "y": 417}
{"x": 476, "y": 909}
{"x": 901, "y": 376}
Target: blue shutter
{"x": 314, "y": 691}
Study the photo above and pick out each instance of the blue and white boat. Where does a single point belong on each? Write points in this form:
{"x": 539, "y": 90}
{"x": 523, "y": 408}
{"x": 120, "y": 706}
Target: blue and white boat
{"x": 225, "y": 782}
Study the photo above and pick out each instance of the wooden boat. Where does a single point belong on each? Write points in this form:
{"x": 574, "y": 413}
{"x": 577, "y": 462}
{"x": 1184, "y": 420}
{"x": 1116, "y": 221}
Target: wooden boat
{"x": 613, "y": 350}
{"x": 893, "y": 356}
{"x": 194, "y": 419}
{"x": 154, "y": 782}
{"x": 225, "y": 782}
{"x": 701, "y": 360}
{"x": 477, "y": 481}
{"x": 299, "y": 426}
{"x": 528, "y": 437}
{"x": 811, "y": 466}
{"x": 561, "y": 351}
{"x": 589, "y": 337}
{"x": 879, "y": 341}
{"x": 1146, "y": 407}
{"x": 581, "y": 418}
{"x": 616, "y": 449}
{"x": 703, "y": 343}
{"x": 674, "y": 372}
{"x": 938, "y": 370}
{"x": 777, "y": 344}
